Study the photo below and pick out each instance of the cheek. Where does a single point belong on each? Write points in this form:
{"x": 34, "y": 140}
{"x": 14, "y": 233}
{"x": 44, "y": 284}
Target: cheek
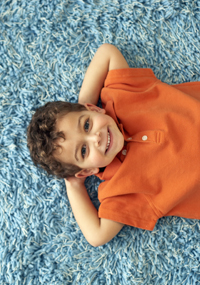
{"x": 102, "y": 120}
{"x": 96, "y": 159}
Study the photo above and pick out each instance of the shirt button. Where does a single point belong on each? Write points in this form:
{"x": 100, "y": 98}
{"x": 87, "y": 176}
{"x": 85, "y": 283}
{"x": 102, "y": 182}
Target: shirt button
{"x": 129, "y": 139}
{"x": 124, "y": 151}
{"x": 144, "y": 138}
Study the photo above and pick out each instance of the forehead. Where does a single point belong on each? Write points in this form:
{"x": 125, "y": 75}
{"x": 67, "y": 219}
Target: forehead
{"x": 69, "y": 120}
{"x": 67, "y": 124}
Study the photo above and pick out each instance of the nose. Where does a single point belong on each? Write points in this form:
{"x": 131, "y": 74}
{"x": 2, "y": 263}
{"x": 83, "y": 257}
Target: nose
{"x": 95, "y": 138}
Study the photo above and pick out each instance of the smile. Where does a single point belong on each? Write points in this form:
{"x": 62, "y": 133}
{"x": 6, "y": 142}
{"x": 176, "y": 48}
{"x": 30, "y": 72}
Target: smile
{"x": 108, "y": 143}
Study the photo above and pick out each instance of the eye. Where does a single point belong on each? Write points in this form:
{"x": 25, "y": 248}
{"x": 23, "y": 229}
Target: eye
{"x": 83, "y": 151}
{"x": 87, "y": 125}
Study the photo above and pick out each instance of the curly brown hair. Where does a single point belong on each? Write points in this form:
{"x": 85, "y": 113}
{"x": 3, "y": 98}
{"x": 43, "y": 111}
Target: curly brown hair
{"x": 42, "y": 137}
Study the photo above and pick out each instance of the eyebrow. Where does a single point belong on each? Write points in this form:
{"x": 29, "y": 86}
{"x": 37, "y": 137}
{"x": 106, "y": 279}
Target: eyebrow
{"x": 78, "y": 128}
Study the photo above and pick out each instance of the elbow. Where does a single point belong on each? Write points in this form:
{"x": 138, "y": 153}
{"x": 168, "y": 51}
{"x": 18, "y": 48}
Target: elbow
{"x": 97, "y": 240}
{"x": 95, "y": 243}
{"x": 107, "y": 46}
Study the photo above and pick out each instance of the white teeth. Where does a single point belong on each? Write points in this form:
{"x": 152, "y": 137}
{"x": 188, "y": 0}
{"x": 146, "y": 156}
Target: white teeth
{"x": 108, "y": 143}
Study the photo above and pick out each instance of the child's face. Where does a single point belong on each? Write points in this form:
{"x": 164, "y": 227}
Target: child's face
{"x": 92, "y": 140}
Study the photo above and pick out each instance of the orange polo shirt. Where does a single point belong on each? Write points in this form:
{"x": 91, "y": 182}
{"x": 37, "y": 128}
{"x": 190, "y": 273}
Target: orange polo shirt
{"x": 158, "y": 171}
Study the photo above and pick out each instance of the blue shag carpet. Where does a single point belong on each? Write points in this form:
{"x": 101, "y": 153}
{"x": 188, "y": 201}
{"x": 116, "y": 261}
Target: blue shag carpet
{"x": 45, "y": 48}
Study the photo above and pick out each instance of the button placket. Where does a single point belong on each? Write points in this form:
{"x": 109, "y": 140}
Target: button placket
{"x": 149, "y": 136}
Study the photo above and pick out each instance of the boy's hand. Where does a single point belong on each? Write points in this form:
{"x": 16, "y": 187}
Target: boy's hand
{"x": 74, "y": 182}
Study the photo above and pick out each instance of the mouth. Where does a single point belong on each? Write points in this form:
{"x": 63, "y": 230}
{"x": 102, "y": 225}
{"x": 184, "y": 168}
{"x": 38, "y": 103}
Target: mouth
{"x": 108, "y": 141}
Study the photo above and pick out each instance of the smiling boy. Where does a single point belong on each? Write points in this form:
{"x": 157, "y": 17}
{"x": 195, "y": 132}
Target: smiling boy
{"x": 146, "y": 138}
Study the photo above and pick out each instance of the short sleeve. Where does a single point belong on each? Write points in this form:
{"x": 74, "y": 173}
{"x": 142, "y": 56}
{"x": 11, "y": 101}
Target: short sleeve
{"x": 133, "y": 210}
{"x": 120, "y": 82}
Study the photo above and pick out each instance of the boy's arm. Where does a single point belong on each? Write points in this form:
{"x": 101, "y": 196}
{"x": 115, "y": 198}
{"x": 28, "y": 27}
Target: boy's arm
{"x": 97, "y": 231}
{"x": 106, "y": 58}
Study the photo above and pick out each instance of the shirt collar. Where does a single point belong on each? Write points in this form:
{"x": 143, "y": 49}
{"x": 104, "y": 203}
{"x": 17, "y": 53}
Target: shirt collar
{"x": 110, "y": 170}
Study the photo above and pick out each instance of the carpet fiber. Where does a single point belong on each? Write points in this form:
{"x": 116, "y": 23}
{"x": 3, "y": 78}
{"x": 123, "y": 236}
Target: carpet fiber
{"x": 45, "y": 48}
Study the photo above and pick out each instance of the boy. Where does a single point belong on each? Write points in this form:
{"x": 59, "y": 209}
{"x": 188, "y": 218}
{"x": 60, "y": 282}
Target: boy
{"x": 145, "y": 144}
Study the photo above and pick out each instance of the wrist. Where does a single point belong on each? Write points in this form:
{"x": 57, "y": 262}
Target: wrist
{"x": 74, "y": 183}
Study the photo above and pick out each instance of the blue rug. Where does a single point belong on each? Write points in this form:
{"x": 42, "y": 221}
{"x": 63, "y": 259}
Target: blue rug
{"x": 45, "y": 48}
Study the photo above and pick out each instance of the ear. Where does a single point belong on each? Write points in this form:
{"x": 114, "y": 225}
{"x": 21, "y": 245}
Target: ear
{"x": 86, "y": 172}
{"x": 91, "y": 107}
